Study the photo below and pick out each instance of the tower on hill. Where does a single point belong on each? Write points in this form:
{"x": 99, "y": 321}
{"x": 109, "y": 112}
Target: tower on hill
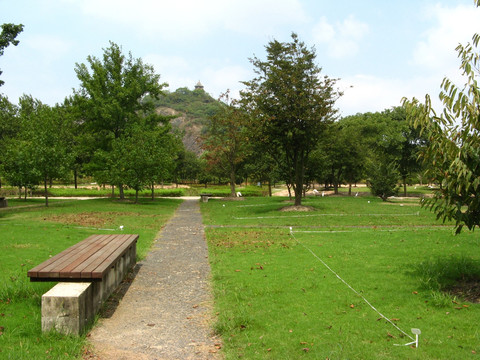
{"x": 199, "y": 86}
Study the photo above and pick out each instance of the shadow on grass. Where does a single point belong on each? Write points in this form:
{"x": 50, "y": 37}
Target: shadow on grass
{"x": 450, "y": 277}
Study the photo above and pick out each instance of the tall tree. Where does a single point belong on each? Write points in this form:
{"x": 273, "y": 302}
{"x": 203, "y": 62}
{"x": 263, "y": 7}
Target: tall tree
{"x": 44, "y": 131}
{"x": 111, "y": 93}
{"x": 291, "y": 104}
{"x": 9, "y": 127}
{"x": 453, "y": 151}
{"x": 225, "y": 142}
{"x": 7, "y": 37}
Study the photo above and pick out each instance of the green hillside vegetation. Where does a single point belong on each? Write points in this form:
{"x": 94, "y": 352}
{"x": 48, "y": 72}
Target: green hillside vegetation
{"x": 192, "y": 109}
{"x": 197, "y": 105}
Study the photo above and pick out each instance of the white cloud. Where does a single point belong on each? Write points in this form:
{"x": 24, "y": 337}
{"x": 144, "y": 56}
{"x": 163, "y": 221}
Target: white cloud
{"x": 368, "y": 93}
{"x": 436, "y": 52}
{"x": 187, "y": 19}
{"x": 219, "y": 80}
{"x": 47, "y": 47}
{"x": 342, "y": 38}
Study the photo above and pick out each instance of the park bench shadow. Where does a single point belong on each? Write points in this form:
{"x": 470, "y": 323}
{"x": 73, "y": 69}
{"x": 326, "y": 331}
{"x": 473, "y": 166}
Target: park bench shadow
{"x": 111, "y": 304}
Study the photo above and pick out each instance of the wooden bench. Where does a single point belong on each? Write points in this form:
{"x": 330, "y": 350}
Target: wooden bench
{"x": 88, "y": 273}
{"x": 205, "y": 197}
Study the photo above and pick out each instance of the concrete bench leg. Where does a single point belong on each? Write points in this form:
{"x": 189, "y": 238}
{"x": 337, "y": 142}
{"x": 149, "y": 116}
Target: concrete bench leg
{"x": 67, "y": 308}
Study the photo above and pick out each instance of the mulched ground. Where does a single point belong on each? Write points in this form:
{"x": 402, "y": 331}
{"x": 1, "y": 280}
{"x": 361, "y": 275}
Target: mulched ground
{"x": 468, "y": 290}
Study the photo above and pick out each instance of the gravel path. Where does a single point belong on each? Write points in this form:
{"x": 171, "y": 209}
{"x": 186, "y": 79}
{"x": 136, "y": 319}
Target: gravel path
{"x": 167, "y": 311}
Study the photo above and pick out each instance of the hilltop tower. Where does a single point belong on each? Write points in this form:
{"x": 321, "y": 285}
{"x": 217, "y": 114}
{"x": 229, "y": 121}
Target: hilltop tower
{"x": 199, "y": 86}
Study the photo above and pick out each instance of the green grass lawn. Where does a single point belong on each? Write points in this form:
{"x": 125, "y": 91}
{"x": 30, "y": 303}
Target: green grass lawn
{"x": 276, "y": 299}
{"x": 30, "y": 235}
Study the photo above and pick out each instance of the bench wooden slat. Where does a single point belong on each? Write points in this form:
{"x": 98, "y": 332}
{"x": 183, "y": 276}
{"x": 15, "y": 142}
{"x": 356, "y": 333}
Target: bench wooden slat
{"x": 86, "y": 268}
{"x": 74, "y": 266}
{"x": 83, "y": 250}
{"x": 61, "y": 257}
{"x": 88, "y": 259}
{"x": 106, "y": 263}
{"x": 53, "y": 270}
{"x": 122, "y": 245}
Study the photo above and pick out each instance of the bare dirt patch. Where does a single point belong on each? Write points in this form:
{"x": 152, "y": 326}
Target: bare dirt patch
{"x": 468, "y": 290}
{"x": 297, "y": 208}
{"x": 94, "y": 219}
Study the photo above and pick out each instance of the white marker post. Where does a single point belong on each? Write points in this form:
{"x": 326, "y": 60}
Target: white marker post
{"x": 416, "y": 332}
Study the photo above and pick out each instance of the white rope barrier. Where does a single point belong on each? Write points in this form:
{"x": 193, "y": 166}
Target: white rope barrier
{"x": 316, "y": 215}
{"x": 357, "y": 293}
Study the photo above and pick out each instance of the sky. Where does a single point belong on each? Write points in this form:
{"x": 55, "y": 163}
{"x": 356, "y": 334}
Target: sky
{"x": 379, "y": 50}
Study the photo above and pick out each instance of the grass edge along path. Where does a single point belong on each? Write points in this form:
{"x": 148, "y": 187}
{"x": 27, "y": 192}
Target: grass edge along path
{"x": 30, "y": 235}
{"x": 276, "y": 301}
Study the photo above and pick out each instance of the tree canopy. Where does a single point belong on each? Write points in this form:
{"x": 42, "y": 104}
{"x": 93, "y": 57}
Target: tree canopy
{"x": 7, "y": 37}
{"x": 290, "y": 104}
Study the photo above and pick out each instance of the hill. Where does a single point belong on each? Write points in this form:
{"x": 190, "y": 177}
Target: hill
{"x": 193, "y": 108}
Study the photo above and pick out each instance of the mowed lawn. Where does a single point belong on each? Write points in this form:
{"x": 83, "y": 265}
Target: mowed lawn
{"x": 278, "y": 296}
{"x": 30, "y": 234}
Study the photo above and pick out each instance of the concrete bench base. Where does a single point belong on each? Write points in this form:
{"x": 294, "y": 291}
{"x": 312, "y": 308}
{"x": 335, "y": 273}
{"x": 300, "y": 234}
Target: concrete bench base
{"x": 69, "y": 307}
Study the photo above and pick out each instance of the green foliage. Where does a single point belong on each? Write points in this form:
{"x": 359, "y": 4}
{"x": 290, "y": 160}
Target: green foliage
{"x": 7, "y": 37}
{"x": 383, "y": 180}
{"x": 226, "y": 142}
{"x": 290, "y": 105}
{"x": 129, "y": 138}
{"x": 453, "y": 153}
{"x": 195, "y": 104}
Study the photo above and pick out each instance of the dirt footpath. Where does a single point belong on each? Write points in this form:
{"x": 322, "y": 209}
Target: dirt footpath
{"x": 166, "y": 313}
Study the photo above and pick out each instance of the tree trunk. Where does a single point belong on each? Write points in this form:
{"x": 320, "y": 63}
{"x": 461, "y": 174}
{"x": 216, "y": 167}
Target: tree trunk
{"x": 26, "y": 192}
{"x": 269, "y": 188}
{"x": 113, "y": 191}
{"x": 335, "y": 187}
{"x": 46, "y": 191}
{"x": 298, "y": 181}
{"x": 122, "y": 195}
{"x": 405, "y": 186}
{"x": 51, "y": 183}
{"x": 19, "y": 192}
{"x": 75, "y": 174}
{"x": 232, "y": 183}
{"x": 153, "y": 191}
{"x": 350, "y": 189}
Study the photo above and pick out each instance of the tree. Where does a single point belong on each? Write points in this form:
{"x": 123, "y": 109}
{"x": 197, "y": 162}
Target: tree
{"x": 225, "y": 142}
{"x": 18, "y": 165}
{"x": 44, "y": 132}
{"x": 110, "y": 98}
{"x": 7, "y": 37}
{"x": 383, "y": 178}
{"x": 290, "y": 104}
{"x": 453, "y": 152}
{"x": 9, "y": 127}
{"x": 410, "y": 144}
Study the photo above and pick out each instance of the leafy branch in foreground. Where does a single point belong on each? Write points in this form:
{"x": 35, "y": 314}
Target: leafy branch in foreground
{"x": 453, "y": 153}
